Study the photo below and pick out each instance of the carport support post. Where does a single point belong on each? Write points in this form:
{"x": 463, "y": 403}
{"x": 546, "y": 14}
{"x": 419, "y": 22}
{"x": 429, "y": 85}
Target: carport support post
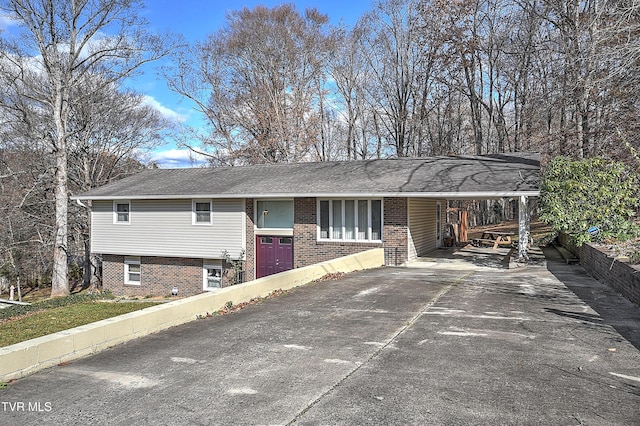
{"x": 523, "y": 228}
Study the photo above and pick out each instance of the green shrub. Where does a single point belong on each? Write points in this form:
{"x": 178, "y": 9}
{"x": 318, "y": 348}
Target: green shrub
{"x": 578, "y": 194}
{"x": 75, "y": 271}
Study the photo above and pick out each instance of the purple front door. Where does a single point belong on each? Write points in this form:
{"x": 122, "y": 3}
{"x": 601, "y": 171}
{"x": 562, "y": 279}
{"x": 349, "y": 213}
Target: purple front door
{"x": 273, "y": 255}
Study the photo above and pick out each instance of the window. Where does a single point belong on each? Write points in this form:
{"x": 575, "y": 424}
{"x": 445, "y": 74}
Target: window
{"x": 274, "y": 214}
{"x": 212, "y": 274}
{"x": 121, "y": 211}
{"x": 132, "y": 270}
{"x": 376, "y": 220}
{"x": 324, "y": 219}
{"x": 363, "y": 217}
{"x": 350, "y": 220}
{"x": 202, "y": 212}
{"x": 336, "y": 220}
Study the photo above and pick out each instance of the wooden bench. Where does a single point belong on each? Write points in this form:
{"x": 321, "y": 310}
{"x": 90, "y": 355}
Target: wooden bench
{"x": 493, "y": 239}
{"x": 483, "y": 241}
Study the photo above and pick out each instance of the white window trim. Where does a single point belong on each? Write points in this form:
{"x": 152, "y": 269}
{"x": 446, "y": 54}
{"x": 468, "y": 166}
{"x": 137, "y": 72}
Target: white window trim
{"x": 132, "y": 261}
{"x": 210, "y": 264}
{"x": 115, "y": 212}
{"x": 357, "y": 227}
{"x": 194, "y": 215}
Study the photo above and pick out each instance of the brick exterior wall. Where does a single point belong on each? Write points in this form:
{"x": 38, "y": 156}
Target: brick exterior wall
{"x": 113, "y": 273}
{"x": 620, "y": 276}
{"x": 396, "y": 234}
{"x": 249, "y": 265}
{"x": 158, "y": 276}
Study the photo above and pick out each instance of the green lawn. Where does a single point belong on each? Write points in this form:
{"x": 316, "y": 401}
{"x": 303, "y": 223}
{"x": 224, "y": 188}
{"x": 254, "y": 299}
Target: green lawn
{"x": 36, "y": 324}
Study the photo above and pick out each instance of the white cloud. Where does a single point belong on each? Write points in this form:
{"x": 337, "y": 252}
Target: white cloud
{"x": 177, "y": 159}
{"x": 167, "y": 113}
{"x": 6, "y": 22}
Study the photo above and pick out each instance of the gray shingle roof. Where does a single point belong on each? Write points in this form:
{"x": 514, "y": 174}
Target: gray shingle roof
{"x": 453, "y": 176}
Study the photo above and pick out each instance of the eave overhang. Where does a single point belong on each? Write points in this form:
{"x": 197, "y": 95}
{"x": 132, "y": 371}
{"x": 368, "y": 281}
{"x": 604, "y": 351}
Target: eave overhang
{"x": 481, "y": 195}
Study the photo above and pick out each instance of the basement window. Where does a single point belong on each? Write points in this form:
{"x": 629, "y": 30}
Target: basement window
{"x": 132, "y": 270}
{"x": 212, "y": 274}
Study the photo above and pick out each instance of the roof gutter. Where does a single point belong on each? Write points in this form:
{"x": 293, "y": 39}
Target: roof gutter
{"x": 80, "y": 203}
{"x": 448, "y": 195}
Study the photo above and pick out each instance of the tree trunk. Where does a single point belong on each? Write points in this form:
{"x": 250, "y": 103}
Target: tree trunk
{"x": 96, "y": 277}
{"x": 19, "y": 289}
{"x": 59, "y": 279}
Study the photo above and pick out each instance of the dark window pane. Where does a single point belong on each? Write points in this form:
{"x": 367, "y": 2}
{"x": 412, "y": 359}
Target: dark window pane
{"x": 324, "y": 219}
{"x": 363, "y": 219}
{"x": 349, "y": 220}
{"x": 376, "y": 220}
{"x": 337, "y": 219}
{"x": 122, "y": 210}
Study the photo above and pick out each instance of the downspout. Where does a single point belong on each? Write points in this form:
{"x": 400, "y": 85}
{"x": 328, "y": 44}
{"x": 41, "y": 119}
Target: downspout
{"x": 88, "y": 264}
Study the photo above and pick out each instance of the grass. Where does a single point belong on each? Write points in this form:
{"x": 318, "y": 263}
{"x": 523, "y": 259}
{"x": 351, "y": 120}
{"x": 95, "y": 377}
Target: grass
{"x": 51, "y": 320}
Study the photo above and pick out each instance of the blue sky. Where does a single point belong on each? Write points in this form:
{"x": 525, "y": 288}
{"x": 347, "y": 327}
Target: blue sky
{"x": 195, "y": 19}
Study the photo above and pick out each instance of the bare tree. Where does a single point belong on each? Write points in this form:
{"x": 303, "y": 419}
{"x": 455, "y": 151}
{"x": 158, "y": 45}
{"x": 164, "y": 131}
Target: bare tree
{"x": 583, "y": 62}
{"x": 108, "y": 131}
{"x": 400, "y": 60}
{"x": 61, "y": 42}
{"x": 350, "y": 72}
{"x": 464, "y": 71}
{"x": 259, "y": 82}
{"x": 26, "y": 235}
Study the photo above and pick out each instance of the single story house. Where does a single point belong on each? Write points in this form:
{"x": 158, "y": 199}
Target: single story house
{"x": 185, "y": 228}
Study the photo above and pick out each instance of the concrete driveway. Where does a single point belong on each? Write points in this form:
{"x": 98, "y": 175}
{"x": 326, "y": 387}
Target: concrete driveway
{"x": 445, "y": 345}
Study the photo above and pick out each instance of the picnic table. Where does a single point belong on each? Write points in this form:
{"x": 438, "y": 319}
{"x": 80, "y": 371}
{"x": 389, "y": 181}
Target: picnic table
{"x": 493, "y": 238}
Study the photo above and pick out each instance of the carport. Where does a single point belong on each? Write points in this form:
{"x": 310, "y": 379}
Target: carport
{"x": 426, "y": 221}
{"x": 449, "y": 178}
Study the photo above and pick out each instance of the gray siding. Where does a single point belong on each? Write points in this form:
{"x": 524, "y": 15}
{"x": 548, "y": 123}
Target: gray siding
{"x": 422, "y": 225}
{"x": 164, "y": 228}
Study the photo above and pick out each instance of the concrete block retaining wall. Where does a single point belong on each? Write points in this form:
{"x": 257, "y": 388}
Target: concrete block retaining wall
{"x": 621, "y": 276}
{"x": 33, "y": 355}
